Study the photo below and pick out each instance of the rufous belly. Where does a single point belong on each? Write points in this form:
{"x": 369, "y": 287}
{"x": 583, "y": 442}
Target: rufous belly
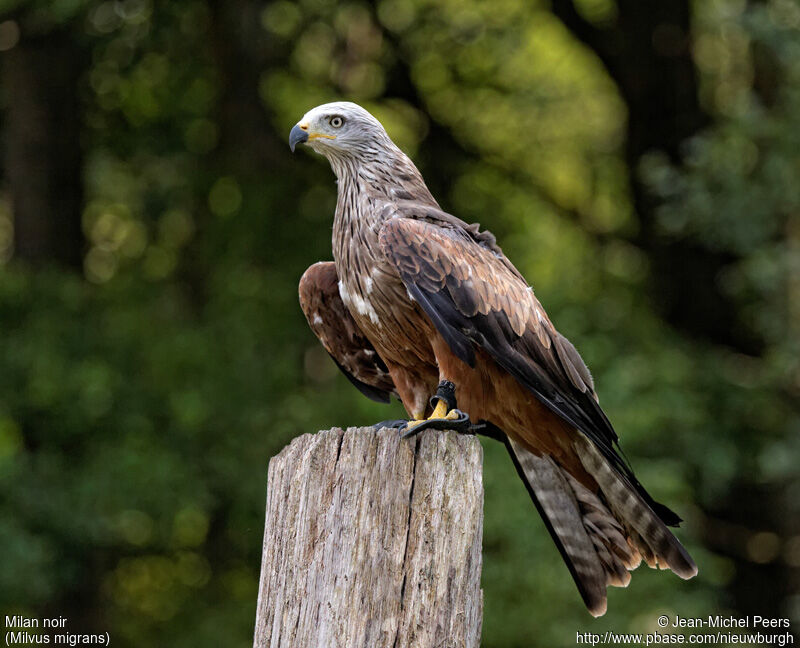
{"x": 489, "y": 393}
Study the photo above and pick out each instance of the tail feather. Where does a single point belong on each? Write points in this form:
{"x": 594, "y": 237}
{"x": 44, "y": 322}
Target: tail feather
{"x": 608, "y": 535}
{"x": 601, "y": 536}
{"x": 646, "y": 530}
{"x": 558, "y": 506}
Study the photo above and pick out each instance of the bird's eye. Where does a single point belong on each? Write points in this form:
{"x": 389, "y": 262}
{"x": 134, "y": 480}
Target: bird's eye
{"x": 336, "y": 121}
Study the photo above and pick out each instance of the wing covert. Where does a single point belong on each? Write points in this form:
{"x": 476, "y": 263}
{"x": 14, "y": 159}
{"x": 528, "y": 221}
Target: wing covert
{"x": 477, "y": 299}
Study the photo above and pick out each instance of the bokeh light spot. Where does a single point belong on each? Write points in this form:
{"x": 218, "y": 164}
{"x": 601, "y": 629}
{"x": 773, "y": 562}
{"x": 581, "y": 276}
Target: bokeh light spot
{"x": 9, "y": 35}
{"x": 225, "y": 197}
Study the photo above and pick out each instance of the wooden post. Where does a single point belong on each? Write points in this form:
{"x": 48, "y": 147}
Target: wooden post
{"x": 372, "y": 541}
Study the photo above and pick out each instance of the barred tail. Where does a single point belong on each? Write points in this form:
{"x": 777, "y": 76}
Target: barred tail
{"x": 590, "y": 540}
{"x": 645, "y": 529}
{"x": 603, "y": 536}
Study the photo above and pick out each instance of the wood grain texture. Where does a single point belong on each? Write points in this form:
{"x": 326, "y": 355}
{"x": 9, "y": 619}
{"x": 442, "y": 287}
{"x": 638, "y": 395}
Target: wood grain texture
{"x": 372, "y": 541}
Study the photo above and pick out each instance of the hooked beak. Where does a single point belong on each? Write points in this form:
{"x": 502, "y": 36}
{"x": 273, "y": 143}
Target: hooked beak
{"x": 297, "y": 136}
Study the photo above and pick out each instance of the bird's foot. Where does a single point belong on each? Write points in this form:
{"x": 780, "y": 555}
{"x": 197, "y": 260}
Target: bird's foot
{"x": 446, "y": 416}
{"x": 455, "y": 420}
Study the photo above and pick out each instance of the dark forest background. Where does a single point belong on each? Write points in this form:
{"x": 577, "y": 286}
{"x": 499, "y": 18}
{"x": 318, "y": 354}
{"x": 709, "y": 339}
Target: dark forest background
{"x": 637, "y": 159}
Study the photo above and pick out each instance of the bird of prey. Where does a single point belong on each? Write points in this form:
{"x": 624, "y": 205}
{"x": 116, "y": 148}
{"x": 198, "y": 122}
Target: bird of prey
{"x": 419, "y": 304}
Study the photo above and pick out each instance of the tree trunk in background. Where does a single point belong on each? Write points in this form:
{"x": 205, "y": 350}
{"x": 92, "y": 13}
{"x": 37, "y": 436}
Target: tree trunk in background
{"x": 646, "y": 51}
{"x": 243, "y": 50}
{"x": 247, "y": 148}
{"x": 42, "y": 155}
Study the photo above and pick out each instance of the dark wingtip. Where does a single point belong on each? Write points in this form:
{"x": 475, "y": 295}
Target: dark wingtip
{"x": 667, "y": 515}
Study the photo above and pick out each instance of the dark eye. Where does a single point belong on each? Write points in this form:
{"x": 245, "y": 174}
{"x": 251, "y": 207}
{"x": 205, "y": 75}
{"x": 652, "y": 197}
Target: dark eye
{"x": 336, "y": 121}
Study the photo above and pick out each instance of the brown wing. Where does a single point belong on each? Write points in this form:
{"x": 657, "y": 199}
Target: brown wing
{"x": 481, "y": 281}
{"x": 476, "y": 298}
{"x": 331, "y": 322}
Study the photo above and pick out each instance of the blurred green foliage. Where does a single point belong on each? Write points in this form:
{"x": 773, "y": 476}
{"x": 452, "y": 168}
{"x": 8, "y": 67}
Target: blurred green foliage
{"x": 141, "y": 399}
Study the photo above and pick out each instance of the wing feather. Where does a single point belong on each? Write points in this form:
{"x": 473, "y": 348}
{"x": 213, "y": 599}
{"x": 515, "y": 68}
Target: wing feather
{"x": 484, "y": 302}
{"x": 332, "y": 323}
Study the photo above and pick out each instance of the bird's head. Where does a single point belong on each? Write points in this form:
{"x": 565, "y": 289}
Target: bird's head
{"x": 339, "y": 129}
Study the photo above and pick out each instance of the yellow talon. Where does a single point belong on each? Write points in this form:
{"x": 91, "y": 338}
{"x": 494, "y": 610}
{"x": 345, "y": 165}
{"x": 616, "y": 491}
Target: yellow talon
{"x": 439, "y": 412}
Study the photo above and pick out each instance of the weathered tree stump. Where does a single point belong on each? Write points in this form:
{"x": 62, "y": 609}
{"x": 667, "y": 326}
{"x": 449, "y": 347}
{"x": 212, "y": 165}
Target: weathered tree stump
{"x": 372, "y": 541}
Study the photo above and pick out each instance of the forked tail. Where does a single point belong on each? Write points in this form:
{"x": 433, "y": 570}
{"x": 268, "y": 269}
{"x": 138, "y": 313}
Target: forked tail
{"x": 601, "y": 536}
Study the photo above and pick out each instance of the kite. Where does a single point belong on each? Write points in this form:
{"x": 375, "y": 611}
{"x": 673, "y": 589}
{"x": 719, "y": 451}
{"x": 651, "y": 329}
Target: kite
{"x": 421, "y": 305}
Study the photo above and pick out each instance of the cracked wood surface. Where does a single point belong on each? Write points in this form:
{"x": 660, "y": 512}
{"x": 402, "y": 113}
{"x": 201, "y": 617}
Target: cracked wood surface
{"x": 372, "y": 541}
